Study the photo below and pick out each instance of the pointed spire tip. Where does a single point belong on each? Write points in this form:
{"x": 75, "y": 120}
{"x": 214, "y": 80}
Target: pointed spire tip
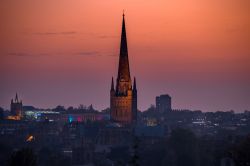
{"x": 112, "y": 84}
{"x": 16, "y": 98}
{"x": 134, "y": 87}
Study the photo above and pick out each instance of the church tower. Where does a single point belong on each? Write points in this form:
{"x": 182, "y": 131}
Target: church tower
{"x": 123, "y": 97}
{"x": 16, "y": 108}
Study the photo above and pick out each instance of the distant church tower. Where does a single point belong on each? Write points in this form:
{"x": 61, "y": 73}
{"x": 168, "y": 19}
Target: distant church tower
{"x": 123, "y": 97}
{"x": 16, "y": 108}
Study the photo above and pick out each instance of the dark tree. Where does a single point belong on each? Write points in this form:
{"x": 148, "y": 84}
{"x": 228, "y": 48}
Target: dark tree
{"x": 23, "y": 157}
{"x": 59, "y": 108}
{"x": 151, "y": 108}
{"x": 5, "y": 152}
{"x": 120, "y": 155}
{"x": 241, "y": 154}
{"x": 70, "y": 108}
{"x": 153, "y": 155}
{"x": 49, "y": 156}
{"x": 135, "y": 157}
{"x": 182, "y": 149}
{"x": 44, "y": 156}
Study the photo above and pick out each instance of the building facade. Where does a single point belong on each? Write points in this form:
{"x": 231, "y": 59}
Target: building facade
{"x": 123, "y": 97}
{"x": 163, "y": 103}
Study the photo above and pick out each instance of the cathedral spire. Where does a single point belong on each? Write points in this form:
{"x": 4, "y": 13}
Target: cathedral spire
{"x": 123, "y": 99}
{"x": 16, "y": 98}
{"x": 112, "y": 84}
{"x": 134, "y": 86}
{"x": 123, "y": 70}
{"x": 123, "y": 47}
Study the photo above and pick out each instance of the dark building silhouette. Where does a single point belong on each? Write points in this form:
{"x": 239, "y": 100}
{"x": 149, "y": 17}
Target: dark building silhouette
{"x": 16, "y": 108}
{"x": 123, "y": 97}
{"x": 163, "y": 103}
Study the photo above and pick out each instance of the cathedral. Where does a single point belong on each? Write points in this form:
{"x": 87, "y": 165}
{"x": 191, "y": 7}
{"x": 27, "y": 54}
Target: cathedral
{"x": 123, "y": 96}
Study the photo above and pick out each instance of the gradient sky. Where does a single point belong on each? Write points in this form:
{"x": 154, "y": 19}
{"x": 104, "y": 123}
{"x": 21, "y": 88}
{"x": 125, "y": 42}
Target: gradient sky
{"x": 65, "y": 52}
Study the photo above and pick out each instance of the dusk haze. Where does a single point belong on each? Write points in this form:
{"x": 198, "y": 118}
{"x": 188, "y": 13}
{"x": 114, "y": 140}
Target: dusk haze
{"x": 65, "y": 52}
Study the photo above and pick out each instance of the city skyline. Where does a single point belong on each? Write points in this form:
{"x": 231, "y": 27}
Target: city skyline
{"x": 65, "y": 54}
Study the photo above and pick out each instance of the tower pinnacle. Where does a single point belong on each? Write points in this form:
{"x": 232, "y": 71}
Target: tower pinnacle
{"x": 123, "y": 78}
{"x": 134, "y": 86}
{"x": 112, "y": 85}
{"x": 123, "y": 46}
{"x": 16, "y": 98}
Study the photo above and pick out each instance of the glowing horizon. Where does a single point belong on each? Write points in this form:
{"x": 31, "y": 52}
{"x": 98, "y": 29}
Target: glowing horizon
{"x": 65, "y": 53}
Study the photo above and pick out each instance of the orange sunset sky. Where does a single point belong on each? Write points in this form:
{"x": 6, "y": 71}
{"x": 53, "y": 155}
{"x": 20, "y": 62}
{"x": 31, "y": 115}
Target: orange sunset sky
{"x": 66, "y": 51}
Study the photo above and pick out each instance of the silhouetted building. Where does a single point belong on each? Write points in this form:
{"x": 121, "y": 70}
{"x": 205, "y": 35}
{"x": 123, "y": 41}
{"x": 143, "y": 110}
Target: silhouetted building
{"x": 123, "y": 98}
{"x": 163, "y": 103}
{"x": 16, "y": 109}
